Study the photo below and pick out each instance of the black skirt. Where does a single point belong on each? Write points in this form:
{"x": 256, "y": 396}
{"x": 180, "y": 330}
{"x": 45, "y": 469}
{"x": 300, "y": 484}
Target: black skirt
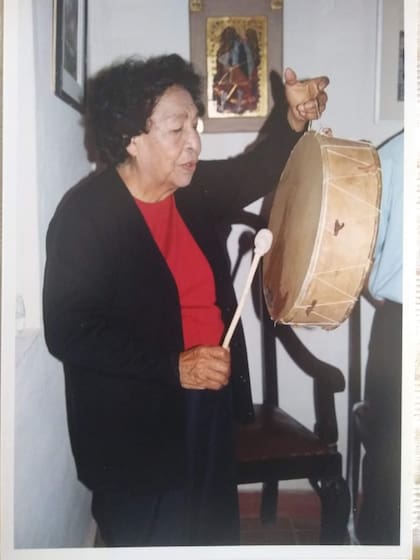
{"x": 205, "y": 511}
{"x": 213, "y": 500}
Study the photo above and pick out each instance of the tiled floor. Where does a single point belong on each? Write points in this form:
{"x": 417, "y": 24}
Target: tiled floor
{"x": 297, "y": 522}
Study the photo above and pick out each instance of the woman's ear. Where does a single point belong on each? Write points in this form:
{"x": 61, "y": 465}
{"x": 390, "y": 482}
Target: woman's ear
{"x": 132, "y": 147}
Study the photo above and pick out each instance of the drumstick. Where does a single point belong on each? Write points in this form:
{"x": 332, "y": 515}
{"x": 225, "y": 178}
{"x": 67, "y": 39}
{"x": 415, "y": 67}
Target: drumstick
{"x": 262, "y": 244}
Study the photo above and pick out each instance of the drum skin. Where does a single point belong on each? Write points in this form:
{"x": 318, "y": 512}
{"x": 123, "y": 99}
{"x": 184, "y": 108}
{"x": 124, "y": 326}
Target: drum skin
{"x": 324, "y": 221}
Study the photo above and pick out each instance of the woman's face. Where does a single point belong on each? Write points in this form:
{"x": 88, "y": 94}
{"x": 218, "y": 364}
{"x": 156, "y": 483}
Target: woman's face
{"x": 167, "y": 155}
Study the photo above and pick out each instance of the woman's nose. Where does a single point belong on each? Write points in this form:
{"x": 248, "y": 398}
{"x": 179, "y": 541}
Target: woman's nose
{"x": 194, "y": 140}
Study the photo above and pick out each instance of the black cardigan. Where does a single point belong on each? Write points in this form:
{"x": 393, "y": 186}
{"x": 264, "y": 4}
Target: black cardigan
{"x": 112, "y": 315}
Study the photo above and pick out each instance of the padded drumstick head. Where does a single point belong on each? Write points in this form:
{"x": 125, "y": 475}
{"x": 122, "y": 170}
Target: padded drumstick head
{"x": 263, "y": 241}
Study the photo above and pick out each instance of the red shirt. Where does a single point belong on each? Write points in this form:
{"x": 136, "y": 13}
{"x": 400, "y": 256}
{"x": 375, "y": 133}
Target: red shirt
{"x": 201, "y": 318}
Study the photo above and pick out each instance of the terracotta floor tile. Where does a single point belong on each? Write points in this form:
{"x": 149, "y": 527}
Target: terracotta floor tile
{"x": 298, "y": 519}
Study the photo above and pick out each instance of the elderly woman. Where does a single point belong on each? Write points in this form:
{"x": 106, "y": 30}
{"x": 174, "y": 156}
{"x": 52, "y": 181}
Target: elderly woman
{"x": 137, "y": 296}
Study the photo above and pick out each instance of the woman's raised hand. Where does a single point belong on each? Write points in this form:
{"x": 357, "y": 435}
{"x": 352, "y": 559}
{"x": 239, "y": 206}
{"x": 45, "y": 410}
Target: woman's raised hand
{"x": 306, "y": 98}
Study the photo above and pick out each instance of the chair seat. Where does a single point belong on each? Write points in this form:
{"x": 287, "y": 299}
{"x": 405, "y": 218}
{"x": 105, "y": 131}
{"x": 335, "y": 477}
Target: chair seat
{"x": 276, "y": 446}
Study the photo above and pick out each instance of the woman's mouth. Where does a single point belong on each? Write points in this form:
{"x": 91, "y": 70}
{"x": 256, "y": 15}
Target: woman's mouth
{"x": 189, "y": 166}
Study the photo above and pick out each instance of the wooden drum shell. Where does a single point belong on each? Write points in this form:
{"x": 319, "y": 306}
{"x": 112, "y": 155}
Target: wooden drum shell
{"x": 324, "y": 222}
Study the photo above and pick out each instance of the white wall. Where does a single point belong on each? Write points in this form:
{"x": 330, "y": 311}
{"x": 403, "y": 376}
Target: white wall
{"x": 44, "y": 155}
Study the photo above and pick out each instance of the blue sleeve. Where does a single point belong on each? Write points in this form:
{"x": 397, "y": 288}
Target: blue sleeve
{"x": 385, "y": 281}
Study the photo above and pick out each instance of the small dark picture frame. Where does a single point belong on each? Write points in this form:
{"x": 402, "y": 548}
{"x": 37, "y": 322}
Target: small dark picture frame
{"x": 70, "y": 48}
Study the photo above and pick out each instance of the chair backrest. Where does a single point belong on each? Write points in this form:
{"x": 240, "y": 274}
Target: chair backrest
{"x": 267, "y": 336}
{"x": 327, "y": 379}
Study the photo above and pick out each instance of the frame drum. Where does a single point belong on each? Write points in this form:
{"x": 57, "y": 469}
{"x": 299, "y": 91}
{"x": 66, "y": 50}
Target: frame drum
{"x": 324, "y": 222}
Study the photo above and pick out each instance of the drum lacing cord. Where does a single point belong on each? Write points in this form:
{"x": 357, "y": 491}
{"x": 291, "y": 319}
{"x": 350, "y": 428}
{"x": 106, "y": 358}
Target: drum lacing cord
{"x": 325, "y": 131}
{"x": 367, "y": 168}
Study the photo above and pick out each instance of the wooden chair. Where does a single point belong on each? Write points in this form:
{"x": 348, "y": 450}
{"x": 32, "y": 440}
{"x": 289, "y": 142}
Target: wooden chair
{"x": 276, "y": 447}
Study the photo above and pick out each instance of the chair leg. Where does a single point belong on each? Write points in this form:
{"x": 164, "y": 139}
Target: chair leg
{"x": 335, "y": 509}
{"x": 268, "y": 511}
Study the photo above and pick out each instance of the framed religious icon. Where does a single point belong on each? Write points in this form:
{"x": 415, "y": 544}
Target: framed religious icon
{"x": 235, "y": 44}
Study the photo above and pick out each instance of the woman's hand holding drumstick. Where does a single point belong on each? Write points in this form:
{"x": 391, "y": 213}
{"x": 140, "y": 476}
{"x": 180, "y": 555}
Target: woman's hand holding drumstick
{"x": 208, "y": 367}
{"x": 204, "y": 367}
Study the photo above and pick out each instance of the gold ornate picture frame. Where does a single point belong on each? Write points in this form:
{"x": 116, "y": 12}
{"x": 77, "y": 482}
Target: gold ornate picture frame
{"x": 234, "y": 46}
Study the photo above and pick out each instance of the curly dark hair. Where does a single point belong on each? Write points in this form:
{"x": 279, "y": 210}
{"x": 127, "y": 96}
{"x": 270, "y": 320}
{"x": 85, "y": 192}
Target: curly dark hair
{"x": 121, "y": 97}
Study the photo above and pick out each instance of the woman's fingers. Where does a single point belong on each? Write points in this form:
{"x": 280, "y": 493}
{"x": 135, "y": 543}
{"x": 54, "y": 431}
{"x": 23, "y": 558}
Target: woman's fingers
{"x": 204, "y": 367}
